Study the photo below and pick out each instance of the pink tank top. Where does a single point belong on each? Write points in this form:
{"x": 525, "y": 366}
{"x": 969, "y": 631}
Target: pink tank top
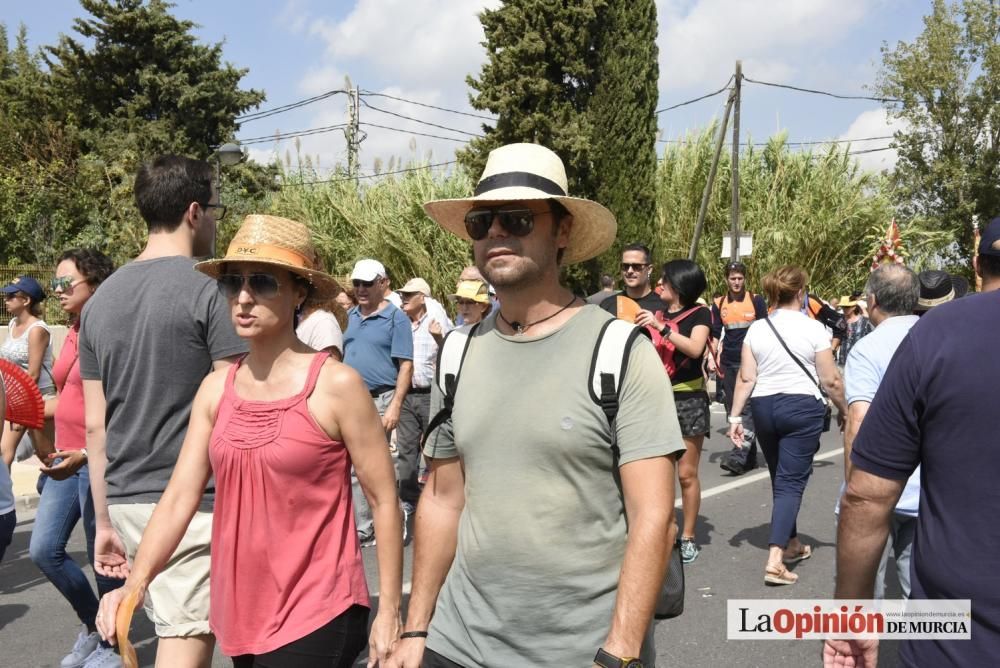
{"x": 285, "y": 553}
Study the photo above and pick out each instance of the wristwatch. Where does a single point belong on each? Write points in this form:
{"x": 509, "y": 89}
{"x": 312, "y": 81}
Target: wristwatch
{"x": 608, "y": 660}
{"x": 666, "y": 331}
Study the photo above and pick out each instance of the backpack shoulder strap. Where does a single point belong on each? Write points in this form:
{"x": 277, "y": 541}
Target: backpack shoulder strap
{"x": 608, "y": 367}
{"x": 449, "y": 366}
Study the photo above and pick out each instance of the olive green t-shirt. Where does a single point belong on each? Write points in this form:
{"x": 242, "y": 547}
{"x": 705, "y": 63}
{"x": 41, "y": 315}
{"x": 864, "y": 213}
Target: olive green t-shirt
{"x": 542, "y": 536}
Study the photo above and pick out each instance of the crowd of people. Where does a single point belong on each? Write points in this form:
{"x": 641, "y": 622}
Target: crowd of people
{"x": 231, "y": 452}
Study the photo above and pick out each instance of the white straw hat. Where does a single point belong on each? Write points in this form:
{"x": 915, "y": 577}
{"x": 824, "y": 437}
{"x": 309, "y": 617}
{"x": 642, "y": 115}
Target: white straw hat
{"x": 519, "y": 172}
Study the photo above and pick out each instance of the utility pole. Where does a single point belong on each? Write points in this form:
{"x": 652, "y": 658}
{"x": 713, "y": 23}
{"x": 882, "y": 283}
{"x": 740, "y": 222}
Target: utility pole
{"x": 734, "y": 213}
{"x": 353, "y": 131}
{"x": 706, "y": 195}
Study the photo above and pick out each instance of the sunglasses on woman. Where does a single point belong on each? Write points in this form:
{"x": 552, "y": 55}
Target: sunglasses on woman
{"x": 262, "y": 285}
{"x": 64, "y": 283}
{"x": 514, "y": 219}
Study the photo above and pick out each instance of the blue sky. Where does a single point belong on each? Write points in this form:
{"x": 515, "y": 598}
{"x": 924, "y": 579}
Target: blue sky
{"x": 422, "y": 50}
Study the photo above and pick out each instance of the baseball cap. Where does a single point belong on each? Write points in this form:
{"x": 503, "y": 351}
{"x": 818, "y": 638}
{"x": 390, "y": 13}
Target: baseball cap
{"x": 27, "y": 285}
{"x": 417, "y": 285}
{"x": 368, "y": 270}
{"x": 989, "y": 242}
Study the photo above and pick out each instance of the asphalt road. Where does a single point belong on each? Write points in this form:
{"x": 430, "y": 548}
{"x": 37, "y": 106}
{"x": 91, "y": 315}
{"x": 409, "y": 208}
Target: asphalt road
{"x": 37, "y": 626}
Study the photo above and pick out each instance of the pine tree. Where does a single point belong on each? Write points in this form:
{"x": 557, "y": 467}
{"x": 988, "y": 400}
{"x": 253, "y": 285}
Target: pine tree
{"x": 145, "y": 82}
{"x": 623, "y": 122}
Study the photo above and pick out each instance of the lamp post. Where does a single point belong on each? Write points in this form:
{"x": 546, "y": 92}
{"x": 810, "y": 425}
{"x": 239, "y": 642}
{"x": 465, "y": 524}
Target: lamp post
{"x": 228, "y": 154}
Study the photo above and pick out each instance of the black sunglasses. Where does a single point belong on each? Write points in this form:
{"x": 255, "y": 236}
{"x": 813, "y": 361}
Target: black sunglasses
{"x": 222, "y": 207}
{"x": 516, "y": 220}
{"x": 634, "y": 266}
{"x": 366, "y": 284}
{"x": 264, "y": 286}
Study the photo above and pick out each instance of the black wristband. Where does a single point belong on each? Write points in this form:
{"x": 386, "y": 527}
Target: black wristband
{"x": 413, "y": 634}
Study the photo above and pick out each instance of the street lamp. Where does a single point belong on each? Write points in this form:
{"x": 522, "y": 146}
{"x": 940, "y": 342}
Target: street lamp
{"x": 229, "y": 154}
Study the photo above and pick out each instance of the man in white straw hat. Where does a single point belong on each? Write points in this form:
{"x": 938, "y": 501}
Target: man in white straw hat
{"x": 148, "y": 338}
{"x": 521, "y": 536}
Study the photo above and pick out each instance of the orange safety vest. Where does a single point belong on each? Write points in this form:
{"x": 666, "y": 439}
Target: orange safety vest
{"x": 737, "y": 315}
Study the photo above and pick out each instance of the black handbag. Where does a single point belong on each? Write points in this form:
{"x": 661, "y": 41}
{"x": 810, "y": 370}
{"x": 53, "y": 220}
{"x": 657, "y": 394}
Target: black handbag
{"x": 671, "y": 600}
{"x": 828, "y": 415}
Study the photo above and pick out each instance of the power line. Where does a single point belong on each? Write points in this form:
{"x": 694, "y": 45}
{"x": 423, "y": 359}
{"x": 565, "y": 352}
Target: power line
{"x": 257, "y": 115}
{"x": 872, "y": 150}
{"x": 697, "y": 99}
{"x": 429, "y": 106}
{"x": 822, "y": 92}
{"x": 412, "y": 132}
{"x": 417, "y": 120}
{"x": 369, "y": 176}
{"x": 290, "y": 135}
{"x": 794, "y": 143}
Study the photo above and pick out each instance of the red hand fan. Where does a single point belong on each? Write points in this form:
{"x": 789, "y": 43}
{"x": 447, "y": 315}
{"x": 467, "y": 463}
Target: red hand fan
{"x": 24, "y": 402}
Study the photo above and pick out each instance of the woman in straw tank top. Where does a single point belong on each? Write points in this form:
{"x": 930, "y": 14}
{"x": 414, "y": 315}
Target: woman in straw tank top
{"x": 280, "y": 431}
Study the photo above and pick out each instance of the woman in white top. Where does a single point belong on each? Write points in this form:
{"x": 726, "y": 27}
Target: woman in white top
{"x": 321, "y": 326}
{"x": 28, "y": 345}
{"x": 788, "y": 406}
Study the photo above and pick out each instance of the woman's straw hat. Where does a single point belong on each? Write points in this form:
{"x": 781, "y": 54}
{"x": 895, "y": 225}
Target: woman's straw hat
{"x": 520, "y": 172}
{"x": 280, "y": 242}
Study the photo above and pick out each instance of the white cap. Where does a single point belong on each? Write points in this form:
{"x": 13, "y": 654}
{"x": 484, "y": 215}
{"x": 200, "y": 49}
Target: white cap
{"x": 368, "y": 270}
{"x": 417, "y": 285}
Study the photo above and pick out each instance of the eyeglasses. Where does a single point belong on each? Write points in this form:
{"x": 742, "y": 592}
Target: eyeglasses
{"x": 407, "y": 296}
{"x": 516, "y": 220}
{"x": 222, "y": 207}
{"x": 466, "y": 302}
{"x": 264, "y": 286}
{"x": 64, "y": 283}
{"x": 633, "y": 266}
{"x": 363, "y": 284}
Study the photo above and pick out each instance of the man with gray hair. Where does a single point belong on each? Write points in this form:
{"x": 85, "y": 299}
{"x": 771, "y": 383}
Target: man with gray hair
{"x": 893, "y": 291}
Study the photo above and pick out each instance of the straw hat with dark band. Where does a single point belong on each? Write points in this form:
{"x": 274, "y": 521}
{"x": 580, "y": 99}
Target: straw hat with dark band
{"x": 520, "y": 172}
{"x": 276, "y": 241}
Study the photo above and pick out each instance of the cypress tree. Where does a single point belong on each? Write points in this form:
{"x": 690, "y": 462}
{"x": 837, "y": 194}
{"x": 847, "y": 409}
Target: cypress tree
{"x": 623, "y": 120}
{"x": 539, "y": 79}
{"x": 581, "y": 79}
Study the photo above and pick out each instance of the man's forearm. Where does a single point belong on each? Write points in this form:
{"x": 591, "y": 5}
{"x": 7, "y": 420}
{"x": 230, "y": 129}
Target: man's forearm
{"x": 403, "y": 381}
{"x": 97, "y": 462}
{"x": 651, "y": 536}
{"x": 861, "y": 536}
{"x": 435, "y": 541}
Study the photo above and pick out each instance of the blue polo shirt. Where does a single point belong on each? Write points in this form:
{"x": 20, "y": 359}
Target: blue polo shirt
{"x": 937, "y": 408}
{"x": 373, "y": 346}
{"x": 866, "y": 365}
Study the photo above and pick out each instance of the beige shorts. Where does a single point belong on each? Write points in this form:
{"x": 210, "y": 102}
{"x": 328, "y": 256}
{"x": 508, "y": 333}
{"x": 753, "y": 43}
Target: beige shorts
{"x": 177, "y": 599}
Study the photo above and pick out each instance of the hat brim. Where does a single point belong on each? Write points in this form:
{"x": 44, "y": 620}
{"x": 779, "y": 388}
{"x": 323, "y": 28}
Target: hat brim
{"x": 485, "y": 298}
{"x": 324, "y": 286}
{"x": 594, "y": 226}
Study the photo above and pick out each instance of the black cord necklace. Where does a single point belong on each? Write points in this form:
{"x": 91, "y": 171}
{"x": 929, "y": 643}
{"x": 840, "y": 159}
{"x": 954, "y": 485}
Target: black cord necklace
{"x": 521, "y": 329}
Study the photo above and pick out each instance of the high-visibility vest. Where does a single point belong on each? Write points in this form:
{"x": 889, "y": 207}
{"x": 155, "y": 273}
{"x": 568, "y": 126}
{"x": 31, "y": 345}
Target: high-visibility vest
{"x": 737, "y": 315}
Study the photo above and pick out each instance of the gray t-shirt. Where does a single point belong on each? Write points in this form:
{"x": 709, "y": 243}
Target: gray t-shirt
{"x": 542, "y": 536}
{"x": 150, "y": 334}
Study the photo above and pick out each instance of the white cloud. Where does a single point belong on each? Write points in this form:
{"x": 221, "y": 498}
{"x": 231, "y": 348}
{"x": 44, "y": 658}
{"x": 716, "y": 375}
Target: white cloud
{"x": 700, "y": 41}
{"x": 874, "y": 123}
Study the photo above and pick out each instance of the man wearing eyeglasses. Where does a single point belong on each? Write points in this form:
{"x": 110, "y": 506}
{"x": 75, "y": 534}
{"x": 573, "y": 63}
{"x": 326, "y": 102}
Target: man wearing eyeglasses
{"x": 637, "y": 270}
{"x": 429, "y": 329}
{"x": 148, "y": 338}
{"x": 378, "y": 344}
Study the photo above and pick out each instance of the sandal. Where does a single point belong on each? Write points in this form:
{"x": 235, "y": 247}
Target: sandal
{"x": 804, "y": 553}
{"x": 779, "y": 575}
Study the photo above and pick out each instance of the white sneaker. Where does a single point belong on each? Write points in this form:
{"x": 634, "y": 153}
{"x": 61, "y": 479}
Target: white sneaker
{"x": 84, "y": 646}
{"x": 103, "y": 657}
